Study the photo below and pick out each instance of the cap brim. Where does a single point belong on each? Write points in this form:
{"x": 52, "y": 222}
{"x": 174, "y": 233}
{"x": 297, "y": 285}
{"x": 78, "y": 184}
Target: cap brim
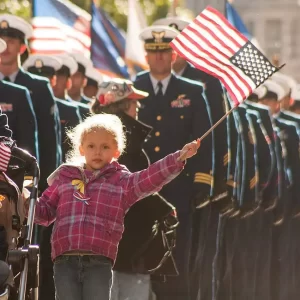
{"x": 137, "y": 94}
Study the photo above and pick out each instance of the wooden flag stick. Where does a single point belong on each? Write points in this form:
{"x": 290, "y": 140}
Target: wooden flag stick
{"x": 216, "y": 124}
{"x": 211, "y": 129}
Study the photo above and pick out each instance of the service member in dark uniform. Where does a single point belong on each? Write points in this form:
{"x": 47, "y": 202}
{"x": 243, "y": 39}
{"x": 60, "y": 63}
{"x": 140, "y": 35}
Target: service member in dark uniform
{"x": 94, "y": 78}
{"x": 289, "y": 133}
{"x": 15, "y": 31}
{"x": 214, "y": 95}
{"x": 79, "y": 79}
{"x": 45, "y": 65}
{"x": 16, "y": 102}
{"x": 177, "y": 111}
{"x": 64, "y": 83}
{"x": 206, "y": 218}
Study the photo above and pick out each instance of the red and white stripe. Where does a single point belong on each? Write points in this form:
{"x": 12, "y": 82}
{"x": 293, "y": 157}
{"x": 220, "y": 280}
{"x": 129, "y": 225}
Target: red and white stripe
{"x": 50, "y": 36}
{"x": 208, "y": 43}
{"x": 5, "y": 154}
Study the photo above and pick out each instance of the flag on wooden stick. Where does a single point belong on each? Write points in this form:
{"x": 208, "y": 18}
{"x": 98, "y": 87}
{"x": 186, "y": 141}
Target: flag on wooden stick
{"x": 214, "y": 46}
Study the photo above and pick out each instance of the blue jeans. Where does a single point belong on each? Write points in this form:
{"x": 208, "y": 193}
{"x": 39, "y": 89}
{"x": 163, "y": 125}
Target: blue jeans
{"x": 82, "y": 277}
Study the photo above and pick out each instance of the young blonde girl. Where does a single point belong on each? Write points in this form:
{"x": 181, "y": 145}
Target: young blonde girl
{"x": 88, "y": 199}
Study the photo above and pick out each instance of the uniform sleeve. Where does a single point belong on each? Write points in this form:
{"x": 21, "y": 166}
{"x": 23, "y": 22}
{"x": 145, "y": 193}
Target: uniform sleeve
{"x": 4, "y": 129}
{"x": 215, "y": 98}
{"x": 201, "y": 165}
{"x": 140, "y": 184}
{"x": 48, "y": 135}
{"x": 46, "y": 205}
{"x": 26, "y": 128}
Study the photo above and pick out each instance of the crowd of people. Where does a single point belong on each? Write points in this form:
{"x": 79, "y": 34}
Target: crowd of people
{"x": 133, "y": 206}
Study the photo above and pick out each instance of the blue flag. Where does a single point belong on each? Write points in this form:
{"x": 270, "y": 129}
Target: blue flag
{"x": 236, "y": 21}
{"x": 104, "y": 54}
{"x": 115, "y": 34}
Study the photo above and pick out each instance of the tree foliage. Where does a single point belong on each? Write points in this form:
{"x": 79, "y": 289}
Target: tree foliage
{"x": 116, "y": 9}
{"x": 20, "y": 8}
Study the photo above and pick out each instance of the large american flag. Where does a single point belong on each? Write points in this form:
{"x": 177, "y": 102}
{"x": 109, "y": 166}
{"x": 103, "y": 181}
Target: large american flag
{"x": 59, "y": 26}
{"x": 214, "y": 46}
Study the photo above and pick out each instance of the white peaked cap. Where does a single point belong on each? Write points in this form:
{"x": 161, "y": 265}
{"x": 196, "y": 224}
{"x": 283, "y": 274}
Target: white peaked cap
{"x": 94, "y": 74}
{"x": 274, "y": 87}
{"x": 296, "y": 93}
{"x": 82, "y": 59}
{"x": 68, "y": 61}
{"x": 290, "y": 81}
{"x": 8, "y": 22}
{"x": 39, "y": 61}
{"x": 260, "y": 91}
{"x": 175, "y": 22}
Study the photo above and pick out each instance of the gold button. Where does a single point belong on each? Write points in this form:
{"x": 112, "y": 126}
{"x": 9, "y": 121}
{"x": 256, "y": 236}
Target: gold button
{"x": 157, "y": 149}
{"x": 181, "y": 117}
{"x": 157, "y": 133}
{"x": 187, "y": 174}
{"x": 158, "y": 118}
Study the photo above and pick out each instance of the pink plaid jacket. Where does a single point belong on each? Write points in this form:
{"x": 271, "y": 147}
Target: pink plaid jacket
{"x": 96, "y": 224}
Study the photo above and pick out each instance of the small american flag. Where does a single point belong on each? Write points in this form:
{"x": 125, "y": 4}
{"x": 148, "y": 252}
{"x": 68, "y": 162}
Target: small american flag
{"x": 5, "y": 154}
{"x": 214, "y": 46}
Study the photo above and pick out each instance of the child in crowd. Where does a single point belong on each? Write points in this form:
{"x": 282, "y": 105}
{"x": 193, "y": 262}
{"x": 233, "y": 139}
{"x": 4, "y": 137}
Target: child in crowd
{"x": 88, "y": 198}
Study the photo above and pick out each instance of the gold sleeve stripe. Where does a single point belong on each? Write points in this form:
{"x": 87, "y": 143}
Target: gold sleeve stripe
{"x": 253, "y": 181}
{"x": 226, "y": 159}
{"x": 203, "y": 175}
{"x": 199, "y": 180}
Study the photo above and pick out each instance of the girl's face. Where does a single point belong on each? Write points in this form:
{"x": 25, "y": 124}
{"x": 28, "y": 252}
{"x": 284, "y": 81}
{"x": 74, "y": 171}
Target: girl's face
{"x": 99, "y": 149}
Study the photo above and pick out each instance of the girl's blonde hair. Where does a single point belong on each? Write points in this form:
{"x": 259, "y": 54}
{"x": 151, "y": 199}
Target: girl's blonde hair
{"x": 109, "y": 123}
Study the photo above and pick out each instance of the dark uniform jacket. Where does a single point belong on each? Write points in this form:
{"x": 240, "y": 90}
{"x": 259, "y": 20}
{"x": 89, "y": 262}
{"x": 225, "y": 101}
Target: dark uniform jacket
{"x": 69, "y": 117}
{"x": 16, "y": 103}
{"x": 248, "y": 164}
{"x": 84, "y": 109}
{"x": 85, "y": 99}
{"x": 267, "y": 161}
{"x": 290, "y": 135}
{"x": 181, "y": 116}
{"x": 213, "y": 91}
{"x": 47, "y": 121}
{"x": 139, "y": 251}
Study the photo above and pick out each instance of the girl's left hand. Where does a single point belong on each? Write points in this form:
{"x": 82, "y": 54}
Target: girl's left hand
{"x": 189, "y": 150}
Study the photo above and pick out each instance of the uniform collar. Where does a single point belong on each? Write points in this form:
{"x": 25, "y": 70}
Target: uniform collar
{"x": 12, "y": 76}
{"x": 165, "y": 83}
{"x": 180, "y": 73}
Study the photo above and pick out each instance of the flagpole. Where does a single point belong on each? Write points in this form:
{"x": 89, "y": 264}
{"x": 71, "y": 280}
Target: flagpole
{"x": 216, "y": 124}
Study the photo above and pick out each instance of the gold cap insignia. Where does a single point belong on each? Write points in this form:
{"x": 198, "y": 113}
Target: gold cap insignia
{"x": 38, "y": 63}
{"x": 4, "y": 24}
{"x": 158, "y": 36}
